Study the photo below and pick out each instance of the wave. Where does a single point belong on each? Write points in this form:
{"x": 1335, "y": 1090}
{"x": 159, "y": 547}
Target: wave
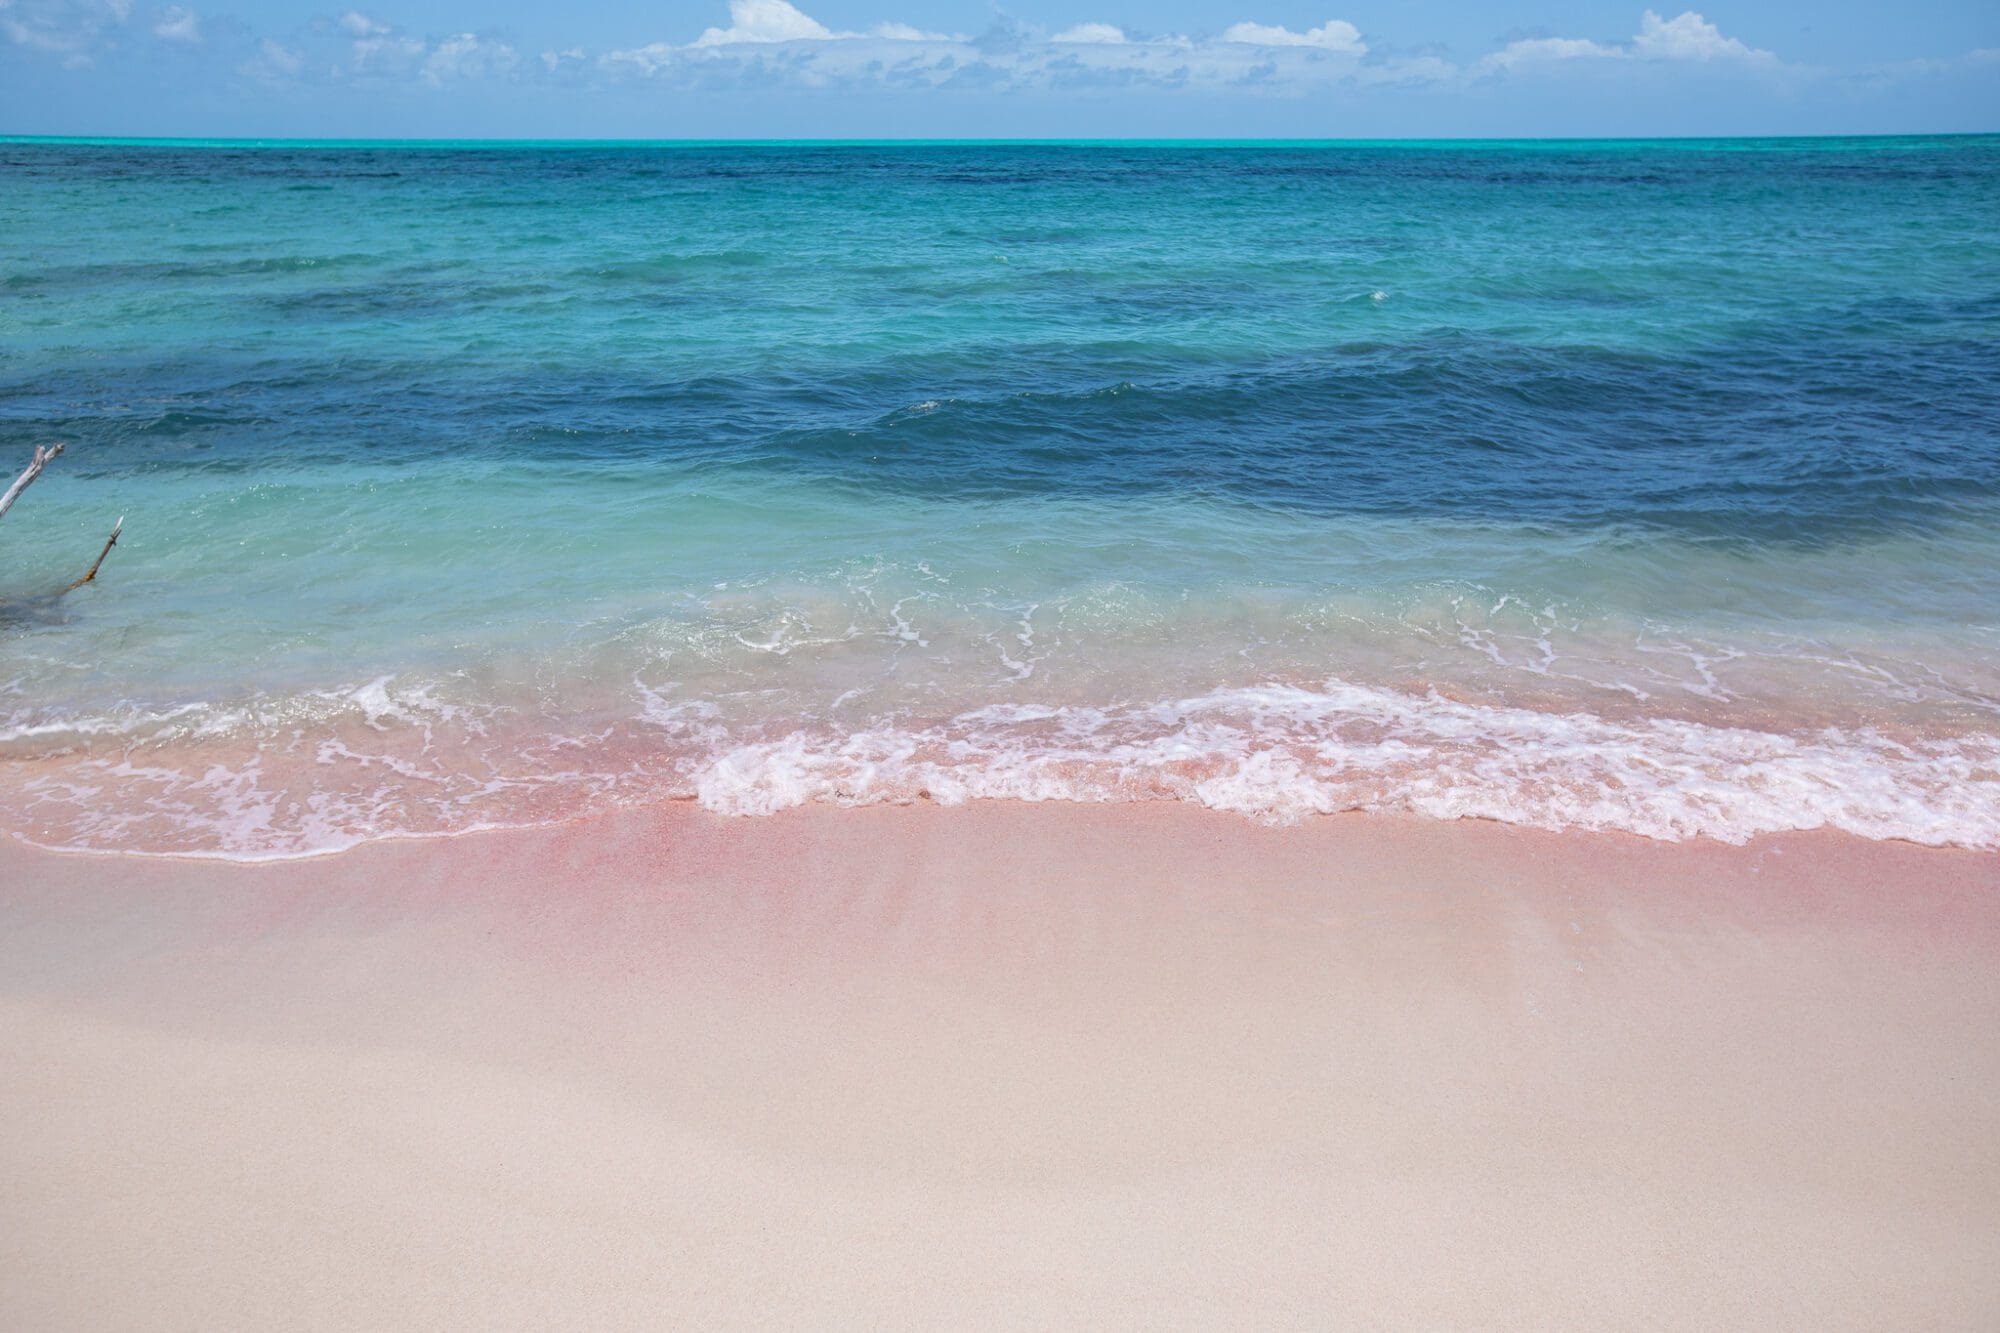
{"x": 379, "y": 761}
{"x": 1281, "y": 752}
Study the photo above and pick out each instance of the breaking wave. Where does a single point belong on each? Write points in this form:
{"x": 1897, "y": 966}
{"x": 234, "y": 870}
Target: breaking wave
{"x": 322, "y": 773}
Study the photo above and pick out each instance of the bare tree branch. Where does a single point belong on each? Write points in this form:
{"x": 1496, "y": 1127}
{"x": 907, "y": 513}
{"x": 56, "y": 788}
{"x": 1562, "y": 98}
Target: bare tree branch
{"x": 43, "y": 455}
{"x": 98, "y": 564}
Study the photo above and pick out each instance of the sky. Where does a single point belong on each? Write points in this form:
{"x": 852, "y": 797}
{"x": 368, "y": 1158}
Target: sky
{"x": 979, "y": 69}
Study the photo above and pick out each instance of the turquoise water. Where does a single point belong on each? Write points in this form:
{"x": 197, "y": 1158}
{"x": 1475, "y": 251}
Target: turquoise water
{"x": 1649, "y": 486}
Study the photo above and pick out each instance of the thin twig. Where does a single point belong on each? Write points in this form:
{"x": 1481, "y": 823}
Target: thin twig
{"x": 98, "y": 563}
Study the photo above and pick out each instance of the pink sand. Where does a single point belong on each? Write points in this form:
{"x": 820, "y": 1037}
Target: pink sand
{"x": 1012, "y": 1066}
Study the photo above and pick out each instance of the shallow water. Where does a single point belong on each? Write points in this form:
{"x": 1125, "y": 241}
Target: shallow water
{"x": 1650, "y": 486}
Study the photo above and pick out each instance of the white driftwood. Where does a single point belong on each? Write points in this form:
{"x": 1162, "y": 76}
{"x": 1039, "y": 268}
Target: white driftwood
{"x": 43, "y": 455}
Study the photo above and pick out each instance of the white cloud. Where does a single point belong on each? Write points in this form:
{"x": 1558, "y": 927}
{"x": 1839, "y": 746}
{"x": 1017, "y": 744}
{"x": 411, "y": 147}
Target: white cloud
{"x": 274, "y": 63}
{"x": 903, "y": 32}
{"x": 1092, "y": 34}
{"x": 1334, "y": 35}
{"x": 1689, "y": 37}
{"x": 466, "y": 56}
{"x": 1537, "y": 50}
{"x": 386, "y": 55}
{"x": 555, "y": 60}
{"x": 649, "y": 59}
{"x": 766, "y": 21}
{"x": 42, "y": 37}
{"x": 378, "y": 52}
{"x": 178, "y": 25}
{"x": 67, "y": 28}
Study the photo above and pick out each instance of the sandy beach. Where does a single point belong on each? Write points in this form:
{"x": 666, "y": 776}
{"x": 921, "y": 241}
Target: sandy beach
{"x": 1004, "y": 1066}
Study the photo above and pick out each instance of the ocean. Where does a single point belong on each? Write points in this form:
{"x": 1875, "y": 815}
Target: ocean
{"x": 1641, "y": 486}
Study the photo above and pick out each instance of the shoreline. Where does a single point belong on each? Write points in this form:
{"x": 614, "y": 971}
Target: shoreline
{"x": 672, "y": 809}
{"x": 1140, "y": 1064}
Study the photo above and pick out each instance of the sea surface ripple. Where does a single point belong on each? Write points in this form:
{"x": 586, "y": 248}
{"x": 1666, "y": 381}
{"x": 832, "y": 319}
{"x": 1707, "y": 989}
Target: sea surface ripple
{"x": 1650, "y": 486}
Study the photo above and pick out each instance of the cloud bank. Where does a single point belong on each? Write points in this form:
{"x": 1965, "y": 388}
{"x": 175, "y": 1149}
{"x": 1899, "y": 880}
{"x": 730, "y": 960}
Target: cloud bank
{"x": 770, "y": 42}
{"x": 773, "y": 41}
{"x": 1687, "y": 37}
{"x": 768, "y": 45}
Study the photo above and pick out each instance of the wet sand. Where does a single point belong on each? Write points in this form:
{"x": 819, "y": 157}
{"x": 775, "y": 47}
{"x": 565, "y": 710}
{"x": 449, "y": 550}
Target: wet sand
{"x": 1004, "y": 1066}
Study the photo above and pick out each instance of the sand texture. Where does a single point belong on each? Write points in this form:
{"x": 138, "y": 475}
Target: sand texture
{"x": 1004, "y": 1066}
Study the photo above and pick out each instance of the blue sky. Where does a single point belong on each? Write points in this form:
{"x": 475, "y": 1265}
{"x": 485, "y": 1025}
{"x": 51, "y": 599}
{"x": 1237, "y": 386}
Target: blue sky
{"x": 952, "y": 68}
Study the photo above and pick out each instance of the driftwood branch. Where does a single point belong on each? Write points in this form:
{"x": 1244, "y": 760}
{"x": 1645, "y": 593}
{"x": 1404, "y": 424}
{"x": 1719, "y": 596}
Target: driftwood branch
{"x": 98, "y": 563}
{"x": 44, "y": 454}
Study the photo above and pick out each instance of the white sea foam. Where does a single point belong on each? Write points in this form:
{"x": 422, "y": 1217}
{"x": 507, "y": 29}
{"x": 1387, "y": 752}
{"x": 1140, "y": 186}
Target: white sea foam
{"x": 1281, "y": 752}
{"x": 384, "y": 759}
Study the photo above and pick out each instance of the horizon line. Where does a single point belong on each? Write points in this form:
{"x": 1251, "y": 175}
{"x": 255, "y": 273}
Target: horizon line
{"x": 191, "y": 140}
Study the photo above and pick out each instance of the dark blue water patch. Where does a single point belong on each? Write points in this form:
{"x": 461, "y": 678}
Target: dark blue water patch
{"x": 1798, "y": 341}
{"x": 1821, "y": 441}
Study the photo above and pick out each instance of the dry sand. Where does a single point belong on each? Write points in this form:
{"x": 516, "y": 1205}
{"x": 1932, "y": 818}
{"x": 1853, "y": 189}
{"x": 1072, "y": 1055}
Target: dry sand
{"x": 1004, "y": 1066}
